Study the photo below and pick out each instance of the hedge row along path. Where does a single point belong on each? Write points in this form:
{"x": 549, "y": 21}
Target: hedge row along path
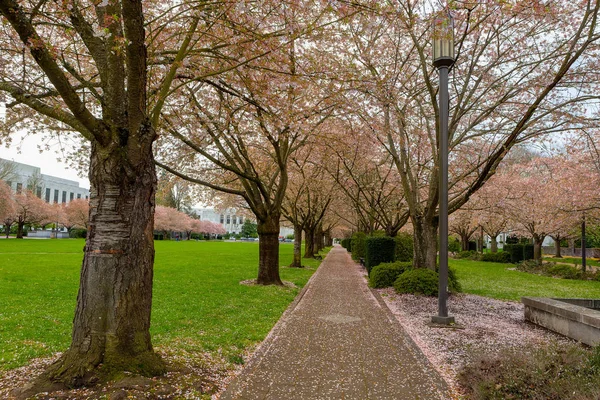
{"x": 338, "y": 340}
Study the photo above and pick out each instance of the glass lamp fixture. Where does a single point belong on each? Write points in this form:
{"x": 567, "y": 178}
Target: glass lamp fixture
{"x": 443, "y": 40}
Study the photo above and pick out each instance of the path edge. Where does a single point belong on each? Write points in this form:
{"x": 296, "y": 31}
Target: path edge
{"x": 264, "y": 346}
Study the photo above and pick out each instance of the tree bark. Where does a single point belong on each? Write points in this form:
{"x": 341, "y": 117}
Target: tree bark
{"x": 268, "y": 249}
{"x": 425, "y": 243}
{"x": 20, "y": 229}
{"x": 297, "y": 261}
{"x": 557, "y": 250}
{"x": 112, "y": 318}
{"x": 537, "y": 248}
{"x": 309, "y": 243}
{"x": 494, "y": 243}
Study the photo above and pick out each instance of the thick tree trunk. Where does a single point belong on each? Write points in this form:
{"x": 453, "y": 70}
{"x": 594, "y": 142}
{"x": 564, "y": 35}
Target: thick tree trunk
{"x": 425, "y": 243}
{"x": 464, "y": 242}
{"x": 557, "y": 253}
{"x": 328, "y": 239}
{"x": 268, "y": 249}
{"x": 494, "y": 243}
{"x": 309, "y": 243}
{"x": 112, "y": 318}
{"x": 297, "y": 261}
{"x": 20, "y": 229}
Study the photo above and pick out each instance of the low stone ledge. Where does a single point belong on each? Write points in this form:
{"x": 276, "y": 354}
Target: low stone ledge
{"x": 578, "y": 319}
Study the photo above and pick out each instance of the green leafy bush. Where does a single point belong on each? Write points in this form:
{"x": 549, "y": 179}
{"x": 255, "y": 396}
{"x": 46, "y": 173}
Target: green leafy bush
{"x": 500, "y": 257}
{"x": 378, "y": 250}
{"x": 385, "y": 274}
{"x": 465, "y": 254}
{"x": 346, "y": 243}
{"x": 565, "y": 371}
{"x": 404, "y": 247}
{"x": 417, "y": 281}
{"x": 453, "y": 244}
{"x": 564, "y": 271}
{"x": 515, "y": 251}
{"x": 358, "y": 245}
{"x": 78, "y": 233}
{"x": 528, "y": 251}
{"x": 453, "y": 283}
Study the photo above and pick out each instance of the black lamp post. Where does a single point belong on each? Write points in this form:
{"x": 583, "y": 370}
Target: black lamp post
{"x": 443, "y": 58}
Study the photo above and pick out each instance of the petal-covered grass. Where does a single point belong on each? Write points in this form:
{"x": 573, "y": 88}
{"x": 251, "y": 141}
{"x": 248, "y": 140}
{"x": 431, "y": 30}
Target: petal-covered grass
{"x": 501, "y": 281}
{"x": 198, "y": 302}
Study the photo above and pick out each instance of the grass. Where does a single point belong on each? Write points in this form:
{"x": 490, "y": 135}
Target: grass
{"x": 498, "y": 281}
{"x": 198, "y": 303}
{"x": 573, "y": 260}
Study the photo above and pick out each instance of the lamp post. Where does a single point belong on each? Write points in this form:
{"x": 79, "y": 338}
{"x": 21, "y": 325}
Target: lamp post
{"x": 443, "y": 58}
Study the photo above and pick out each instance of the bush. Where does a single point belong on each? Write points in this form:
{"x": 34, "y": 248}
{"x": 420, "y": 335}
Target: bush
{"x": 78, "y": 233}
{"x": 346, "y": 243}
{"x": 379, "y": 249}
{"x": 465, "y": 254}
{"x": 472, "y": 245}
{"x": 358, "y": 245}
{"x": 453, "y": 244}
{"x": 417, "y": 281}
{"x": 385, "y": 274}
{"x": 515, "y": 251}
{"x": 564, "y": 271}
{"x": 500, "y": 257}
{"x": 454, "y": 285}
{"x": 528, "y": 251}
{"x": 565, "y": 371}
{"x": 404, "y": 247}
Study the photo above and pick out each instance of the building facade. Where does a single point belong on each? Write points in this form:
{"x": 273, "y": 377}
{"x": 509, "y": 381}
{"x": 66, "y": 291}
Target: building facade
{"x": 231, "y": 220}
{"x": 50, "y": 188}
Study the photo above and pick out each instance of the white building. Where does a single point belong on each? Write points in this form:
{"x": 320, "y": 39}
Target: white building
{"x": 52, "y": 189}
{"x": 231, "y": 220}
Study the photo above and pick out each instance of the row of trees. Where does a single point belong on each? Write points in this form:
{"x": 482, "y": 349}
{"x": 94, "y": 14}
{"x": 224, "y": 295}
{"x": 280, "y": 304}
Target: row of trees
{"x": 26, "y": 209}
{"x": 167, "y": 220}
{"x": 251, "y": 99}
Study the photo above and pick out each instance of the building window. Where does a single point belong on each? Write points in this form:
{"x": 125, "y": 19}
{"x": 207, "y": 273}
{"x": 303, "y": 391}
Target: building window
{"x": 222, "y": 219}
{"x": 19, "y": 187}
{"x": 56, "y": 195}
{"x": 64, "y": 196}
{"x": 38, "y": 192}
{"x": 71, "y": 196}
{"x": 48, "y": 191}
{"x": 9, "y": 183}
{"x": 241, "y": 220}
{"x": 78, "y": 195}
{"x": 228, "y": 219}
{"x": 86, "y": 197}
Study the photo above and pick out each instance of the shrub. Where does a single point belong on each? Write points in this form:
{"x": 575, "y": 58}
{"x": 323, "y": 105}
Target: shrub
{"x": 500, "y": 257}
{"x": 515, "y": 251}
{"x": 465, "y": 254}
{"x": 472, "y": 245}
{"x": 528, "y": 251}
{"x": 565, "y": 371}
{"x": 379, "y": 249}
{"x": 78, "y": 233}
{"x": 564, "y": 271}
{"x": 404, "y": 247}
{"x": 358, "y": 245}
{"x": 454, "y": 285}
{"x": 346, "y": 243}
{"x": 385, "y": 274}
{"x": 417, "y": 281}
{"x": 453, "y": 244}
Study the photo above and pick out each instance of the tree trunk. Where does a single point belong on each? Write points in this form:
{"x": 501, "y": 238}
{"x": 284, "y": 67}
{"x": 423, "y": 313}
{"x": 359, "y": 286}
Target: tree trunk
{"x": 268, "y": 250}
{"x": 20, "y": 229}
{"x": 112, "y": 318}
{"x": 494, "y": 243}
{"x": 309, "y": 243}
{"x": 425, "y": 243}
{"x": 557, "y": 253}
{"x": 537, "y": 248}
{"x": 297, "y": 261}
{"x": 328, "y": 239}
{"x": 464, "y": 241}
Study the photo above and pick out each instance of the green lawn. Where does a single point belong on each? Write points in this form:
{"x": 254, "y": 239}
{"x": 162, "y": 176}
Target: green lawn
{"x": 497, "y": 281}
{"x": 198, "y": 303}
{"x": 573, "y": 260}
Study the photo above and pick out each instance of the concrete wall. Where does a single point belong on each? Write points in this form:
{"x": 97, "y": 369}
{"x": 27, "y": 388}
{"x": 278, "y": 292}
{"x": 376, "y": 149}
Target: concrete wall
{"x": 566, "y": 316}
{"x": 568, "y": 251}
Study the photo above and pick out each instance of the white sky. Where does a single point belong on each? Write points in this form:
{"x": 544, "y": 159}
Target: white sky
{"x": 47, "y": 160}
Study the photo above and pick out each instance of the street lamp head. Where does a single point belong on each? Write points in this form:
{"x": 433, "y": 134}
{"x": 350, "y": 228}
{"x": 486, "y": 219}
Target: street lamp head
{"x": 443, "y": 40}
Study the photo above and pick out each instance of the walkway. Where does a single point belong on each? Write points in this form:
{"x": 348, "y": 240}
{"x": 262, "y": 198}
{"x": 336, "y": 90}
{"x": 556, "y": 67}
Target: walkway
{"x": 337, "y": 341}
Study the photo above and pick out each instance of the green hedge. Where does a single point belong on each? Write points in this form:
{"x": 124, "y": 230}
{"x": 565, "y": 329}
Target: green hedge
{"x": 404, "y": 247}
{"x": 500, "y": 257}
{"x": 515, "y": 251}
{"x": 379, "y": 249}
{"x": 347, "y": 244}
{"x": 358, "y": 245}
{"x": 417, "y": 281}
{"x": 528, "y": 252}
{"x": 385, "y": 274}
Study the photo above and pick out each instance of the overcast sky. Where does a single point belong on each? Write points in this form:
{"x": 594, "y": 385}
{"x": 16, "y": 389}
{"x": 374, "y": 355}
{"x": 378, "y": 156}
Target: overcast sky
{"x": 47, "y": 160}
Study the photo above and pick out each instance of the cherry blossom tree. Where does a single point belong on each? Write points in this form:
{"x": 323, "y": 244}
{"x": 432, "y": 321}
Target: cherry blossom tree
{"x": 29, "y": 210}
{"x": 7, "y": 207}
{"x": 523, "y": 70}
{"x": 76, "y": 214}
